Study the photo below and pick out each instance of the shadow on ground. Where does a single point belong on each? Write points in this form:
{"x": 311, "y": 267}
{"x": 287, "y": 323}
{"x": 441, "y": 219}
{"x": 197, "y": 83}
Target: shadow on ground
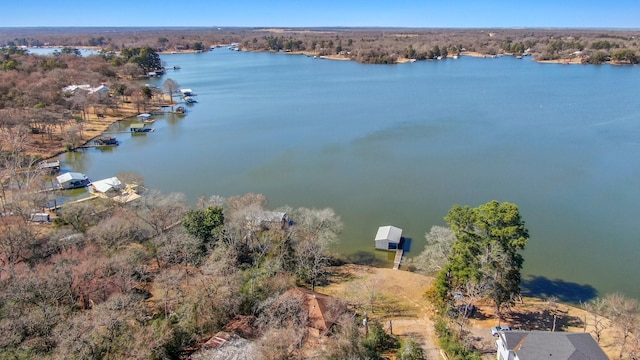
{"x": 543, "y": 320}
{"x": 568, "y": 292}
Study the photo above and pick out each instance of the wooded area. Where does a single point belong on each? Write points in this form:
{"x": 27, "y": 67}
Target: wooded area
{"x": 367, "y": 45}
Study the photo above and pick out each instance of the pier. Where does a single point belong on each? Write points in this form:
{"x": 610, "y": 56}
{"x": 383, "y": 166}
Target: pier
{"x": 399, "y": 257}
{"x": 56, "y": 207}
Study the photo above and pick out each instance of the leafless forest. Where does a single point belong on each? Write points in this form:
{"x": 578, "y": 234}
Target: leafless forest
{"x": 369, "y": 45}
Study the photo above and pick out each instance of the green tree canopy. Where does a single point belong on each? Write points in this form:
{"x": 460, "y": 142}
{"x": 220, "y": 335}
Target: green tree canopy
{"x": 145, "y": 57}
{"x": 486, "y": 251}
{"x": 204, "y": 224}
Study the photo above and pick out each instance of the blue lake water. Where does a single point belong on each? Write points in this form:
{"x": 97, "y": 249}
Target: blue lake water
{"x": 401, "y": 144}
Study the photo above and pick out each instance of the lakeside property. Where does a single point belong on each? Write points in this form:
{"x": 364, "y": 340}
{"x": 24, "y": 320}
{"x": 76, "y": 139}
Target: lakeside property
{"x": 311, "y": 149}
{"x": 567, "y": 155}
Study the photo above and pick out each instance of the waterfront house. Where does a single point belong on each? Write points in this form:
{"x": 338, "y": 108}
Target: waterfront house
{"x": 72, "y": 180}
{"x": 71, "y": 89}
{"x": 388, "y": 237}
{"x": 534, "y": 345}
{"x": 268, "y": 219}
{"x": 101, "y": 91}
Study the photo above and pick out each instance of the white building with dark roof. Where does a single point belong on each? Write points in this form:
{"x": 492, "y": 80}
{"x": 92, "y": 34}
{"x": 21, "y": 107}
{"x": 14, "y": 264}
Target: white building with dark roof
{"x": 536, "y": 345}
{"x": 72, "y": 180}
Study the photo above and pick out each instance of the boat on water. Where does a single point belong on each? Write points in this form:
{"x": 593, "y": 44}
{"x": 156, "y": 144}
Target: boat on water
{"x": 190, "y": 100}
{"x": 186, "y": 92}
{"x": 146, "y": 118}
{"x": 106, "y": 140}
{"x": 139, "y": 128}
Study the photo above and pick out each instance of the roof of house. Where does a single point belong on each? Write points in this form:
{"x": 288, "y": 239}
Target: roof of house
{"x": 101, "y": 88}
{"x": 225, "y": 346}
{"x": 555, "y": 345}
{"x": 68, "y": 176}
{"x": 322, "y": 308}
{"x": 244, "y": 326}
{"x": 105, "y": 185}
{"x": 390, "y": 233}
{"x": 72, "y": 88}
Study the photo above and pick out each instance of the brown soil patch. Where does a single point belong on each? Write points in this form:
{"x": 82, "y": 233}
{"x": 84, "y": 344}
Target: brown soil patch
{"x": 398, "y": 301}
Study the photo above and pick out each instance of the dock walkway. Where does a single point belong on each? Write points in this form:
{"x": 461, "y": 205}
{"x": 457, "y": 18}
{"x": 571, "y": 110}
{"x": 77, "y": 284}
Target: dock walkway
{"x": 398, "y": 259}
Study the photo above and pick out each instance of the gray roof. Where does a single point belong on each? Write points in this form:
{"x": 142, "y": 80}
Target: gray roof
{"x": 71, "y": 176}
{"x": 390, "y": 233}
{"x": 530, "y": 345}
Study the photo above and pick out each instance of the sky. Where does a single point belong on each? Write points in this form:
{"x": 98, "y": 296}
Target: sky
{"x": 619, "y": 14}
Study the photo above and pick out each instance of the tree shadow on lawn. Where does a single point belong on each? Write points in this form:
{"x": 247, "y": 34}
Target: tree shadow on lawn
{"x": 542, "y": 320}
{"x": 567, "y": 292}
{"x": 363, "y": 258}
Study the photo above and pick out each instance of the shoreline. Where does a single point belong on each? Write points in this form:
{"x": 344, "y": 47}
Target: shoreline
{"x": 93, "y": 128}
{"x": 569, "y": 61}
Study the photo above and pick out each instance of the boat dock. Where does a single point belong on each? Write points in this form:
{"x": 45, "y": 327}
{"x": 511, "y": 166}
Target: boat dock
{"x": 56, "y": 207}
{"x": 389, "y": 238}
{"x": 398, "y": 260}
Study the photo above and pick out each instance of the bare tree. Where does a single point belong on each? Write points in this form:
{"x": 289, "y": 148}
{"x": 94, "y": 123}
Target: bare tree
{"x": 552, "y": 308}
{"x": 171, "y": 87}
{"x": 596, "y": 310}
{"x": 16, "y": 243}
{"x": 313, "y": 233}
{"x": 161, "y": 212}
{"x": 436, "y": 252}
{"x": 624, "y": 312}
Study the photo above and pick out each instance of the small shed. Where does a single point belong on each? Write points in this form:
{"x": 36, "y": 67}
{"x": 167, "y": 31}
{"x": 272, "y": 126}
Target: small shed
{"x": 50, "y": 166}
{"x": 40, "y": 217}
{"x": 388, "y": 237}
{"x": 72, "y": 180}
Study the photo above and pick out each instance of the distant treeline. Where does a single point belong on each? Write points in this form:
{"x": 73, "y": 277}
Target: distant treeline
{"x": 367, "y": 45}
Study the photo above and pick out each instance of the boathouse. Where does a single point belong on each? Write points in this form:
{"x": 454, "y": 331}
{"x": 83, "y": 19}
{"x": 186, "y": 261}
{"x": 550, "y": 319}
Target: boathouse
{"x": 72, "y": 180}
{"x": 52, "y": 166}
{"x": 109, "y": 186}
{"x": 139, "y": 128}
{"x": 388, "y": 237}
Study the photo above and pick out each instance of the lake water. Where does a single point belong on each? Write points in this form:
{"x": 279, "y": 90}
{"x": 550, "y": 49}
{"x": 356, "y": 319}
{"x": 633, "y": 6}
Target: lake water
{"x": 401, "y": 144}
